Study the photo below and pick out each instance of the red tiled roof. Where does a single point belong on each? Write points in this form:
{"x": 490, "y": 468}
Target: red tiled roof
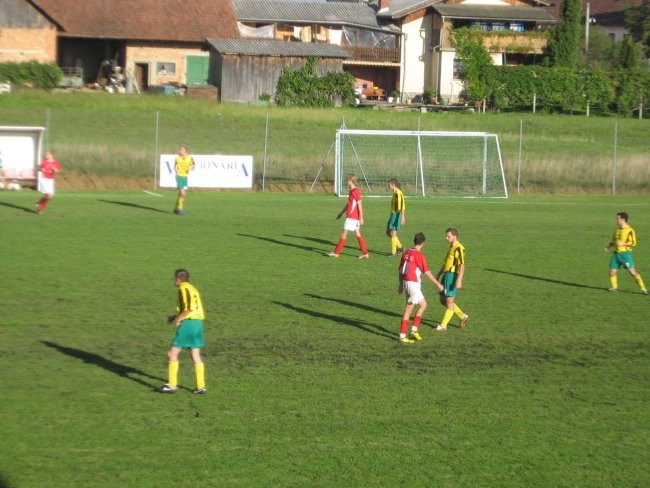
{"x": 155, "y": 20}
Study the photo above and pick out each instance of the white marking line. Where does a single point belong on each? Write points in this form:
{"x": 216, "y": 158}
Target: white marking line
{"x": 106, "y": 195}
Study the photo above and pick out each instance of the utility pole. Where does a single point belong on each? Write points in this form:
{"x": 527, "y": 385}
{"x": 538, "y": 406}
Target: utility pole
{"x": 587, "y": 22}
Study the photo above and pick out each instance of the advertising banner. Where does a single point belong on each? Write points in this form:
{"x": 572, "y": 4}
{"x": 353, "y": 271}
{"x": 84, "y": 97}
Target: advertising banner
{"x": 210, "y": 171}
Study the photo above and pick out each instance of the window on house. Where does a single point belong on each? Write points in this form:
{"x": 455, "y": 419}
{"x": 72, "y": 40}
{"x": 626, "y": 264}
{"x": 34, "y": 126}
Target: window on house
{"x": 498, "y": 26}
{"x": 517, "y": 26}
{"x": 458, "y": 69}
{"x": 165, "y": 69}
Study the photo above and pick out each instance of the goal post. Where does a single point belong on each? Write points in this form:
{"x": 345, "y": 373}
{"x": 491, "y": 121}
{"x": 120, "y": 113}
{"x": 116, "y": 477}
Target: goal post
{"x": 426, "y": 163}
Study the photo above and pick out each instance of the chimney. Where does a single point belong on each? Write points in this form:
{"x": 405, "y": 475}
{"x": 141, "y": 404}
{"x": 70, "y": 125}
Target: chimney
{"x": 383, "y": 4}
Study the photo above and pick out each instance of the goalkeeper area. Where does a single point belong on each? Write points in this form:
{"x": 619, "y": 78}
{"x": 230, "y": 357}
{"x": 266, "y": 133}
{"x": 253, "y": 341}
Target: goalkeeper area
{"x": 425, "y": 163}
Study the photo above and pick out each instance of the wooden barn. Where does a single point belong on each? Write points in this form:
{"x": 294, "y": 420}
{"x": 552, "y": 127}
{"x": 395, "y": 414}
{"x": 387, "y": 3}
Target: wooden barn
{"x": 244, "y": 69}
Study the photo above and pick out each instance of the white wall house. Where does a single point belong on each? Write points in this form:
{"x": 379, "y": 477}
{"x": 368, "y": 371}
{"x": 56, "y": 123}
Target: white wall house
{"x": 512, "y": 34}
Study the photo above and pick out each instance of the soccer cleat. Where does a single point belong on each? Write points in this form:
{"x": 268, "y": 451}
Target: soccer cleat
{"x": 400, "y": 250}
{"x": 416, "y": 335}
{"x": 200, "y": 391}
{"x": 406, "y": 340}
{"x": 645, "y": 292}
{"x": 364, "y": 256}
{"x": 168, "y": 389}
{"x": 463, "y": 321}
{"x": 179, "y": 212}
{"x": 440, "y": 328}
{"x": 332, "y": 254}
{"x": 613, "y": 289}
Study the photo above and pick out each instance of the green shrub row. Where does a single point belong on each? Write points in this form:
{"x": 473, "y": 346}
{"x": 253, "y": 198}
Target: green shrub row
{"x": 31, "y": 73}
{"x": 563, "y": 89}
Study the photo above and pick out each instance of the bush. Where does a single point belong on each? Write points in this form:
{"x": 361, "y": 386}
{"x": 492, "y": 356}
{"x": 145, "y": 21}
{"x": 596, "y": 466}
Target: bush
{"x": 32, "y": 73}
{"x": 304, "y": 88}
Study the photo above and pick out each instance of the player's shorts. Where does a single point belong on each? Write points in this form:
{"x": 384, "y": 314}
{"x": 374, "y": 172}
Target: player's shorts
{"x": 189, "y": 335}
{"x": 46, "y": 186}
{"x": 622, "y": 260}
{"x": 351, "y": 225}
{"x": 394, "y": 221}
{"x": 181, "y": 182}
{"x": 449, "y": 282}
{"x": 413, "y": 291}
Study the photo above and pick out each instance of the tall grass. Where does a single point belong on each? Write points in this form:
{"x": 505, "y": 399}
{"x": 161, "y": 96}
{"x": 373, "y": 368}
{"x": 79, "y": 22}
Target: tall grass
{"x": 107, "y": 135}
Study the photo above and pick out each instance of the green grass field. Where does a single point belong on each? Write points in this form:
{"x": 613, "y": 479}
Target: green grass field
{"x": 99, "y": 135}
{"x": 307, "y": 384}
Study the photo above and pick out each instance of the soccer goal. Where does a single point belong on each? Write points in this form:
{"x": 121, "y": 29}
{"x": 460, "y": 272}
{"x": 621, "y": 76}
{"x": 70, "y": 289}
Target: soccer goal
{"x": 424, "y": 162}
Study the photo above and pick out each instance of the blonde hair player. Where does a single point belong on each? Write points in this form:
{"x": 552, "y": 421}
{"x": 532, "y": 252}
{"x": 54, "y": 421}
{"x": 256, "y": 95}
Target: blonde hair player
{"x": 353, "y": 211}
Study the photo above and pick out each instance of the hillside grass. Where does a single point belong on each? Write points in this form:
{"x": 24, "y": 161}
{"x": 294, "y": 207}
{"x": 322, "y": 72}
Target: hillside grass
{"x": 307, "y": 384}
{"x": 120, "y": 136}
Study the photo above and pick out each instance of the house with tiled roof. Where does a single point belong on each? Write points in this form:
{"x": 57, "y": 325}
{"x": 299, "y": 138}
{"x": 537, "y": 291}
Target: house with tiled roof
{"x": 154, "y": 42}
{"x": 373, "y": 44}
{"x": 513, "y": 32}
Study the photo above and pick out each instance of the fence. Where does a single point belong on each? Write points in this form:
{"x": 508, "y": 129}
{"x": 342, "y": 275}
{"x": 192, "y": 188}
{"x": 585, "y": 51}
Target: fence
{"x": 292, "y": 149}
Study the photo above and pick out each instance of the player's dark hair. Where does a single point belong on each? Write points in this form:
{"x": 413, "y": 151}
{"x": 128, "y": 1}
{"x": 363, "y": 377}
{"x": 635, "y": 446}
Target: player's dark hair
{"x": 419, "y": 239}
{"x": 623, "y": 215}
{"x": 393, "y": 181}
{"x": 453, "y": 231}
{"x": 182, "y": 274}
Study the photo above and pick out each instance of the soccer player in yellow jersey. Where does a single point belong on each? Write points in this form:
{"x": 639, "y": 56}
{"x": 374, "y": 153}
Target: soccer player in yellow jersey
{"x": 397, "y": 217}
{"x": 451, "y": 276}
{"x": 189, "y": 333}
{"x": 182, "y": 166}
{"x": 623, "y": 243}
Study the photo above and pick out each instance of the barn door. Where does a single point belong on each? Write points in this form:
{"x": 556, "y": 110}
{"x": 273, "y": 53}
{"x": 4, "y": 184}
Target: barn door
{"x": 197, "y": 70}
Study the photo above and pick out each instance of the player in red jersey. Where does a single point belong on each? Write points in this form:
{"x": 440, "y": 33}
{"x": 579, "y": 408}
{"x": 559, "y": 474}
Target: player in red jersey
{"x": 411, "y": 268}
{"x": 48, "y": 168}
{"x": 353, "y": 211}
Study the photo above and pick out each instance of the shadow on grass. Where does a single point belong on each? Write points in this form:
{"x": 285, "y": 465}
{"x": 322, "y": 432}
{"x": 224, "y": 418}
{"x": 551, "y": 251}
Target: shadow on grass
{"x": 285, "y": 243}
{"x": 135, "y": 205}
{"x": 355, "y": 304}
{"x": 359, "y": 324}
{"x": 349, "y": 245}
{"x": 548, "y": 280}
{"x": 119, "y": 369}
{"x": 18, "y": 207}
{"x": 4, "y": 483}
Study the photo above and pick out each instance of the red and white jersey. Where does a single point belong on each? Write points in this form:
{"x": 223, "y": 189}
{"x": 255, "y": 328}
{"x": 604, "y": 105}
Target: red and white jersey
{"x": 48, "y": 168}
{"x": 413, "y": 265}
{"x": 352, "y": 210}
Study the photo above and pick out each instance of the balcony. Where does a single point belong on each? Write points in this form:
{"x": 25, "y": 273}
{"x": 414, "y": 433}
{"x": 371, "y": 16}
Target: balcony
{"x": 372, "y": 54}
{"x": 524, "y": 42}
{"x": 532, "y": 42}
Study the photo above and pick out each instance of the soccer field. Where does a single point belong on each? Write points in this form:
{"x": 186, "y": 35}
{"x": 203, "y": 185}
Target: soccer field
{"x": 548, "y": 385}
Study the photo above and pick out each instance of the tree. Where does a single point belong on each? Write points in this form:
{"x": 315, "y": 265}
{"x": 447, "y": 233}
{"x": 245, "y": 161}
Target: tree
{"x": 565, "y": 43}
{"x": 637, "y": 21}
{"x": 474, "y": 59}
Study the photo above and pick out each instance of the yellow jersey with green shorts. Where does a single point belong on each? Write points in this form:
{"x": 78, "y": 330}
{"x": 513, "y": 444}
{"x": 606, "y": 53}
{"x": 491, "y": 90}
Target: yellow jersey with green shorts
{"x": 182, "y": 166}
{"x": 397, "y": 206}
{"x": 454, "y": 258}
{"x": 189, "y": 335}
{"x": 622, "y": 256}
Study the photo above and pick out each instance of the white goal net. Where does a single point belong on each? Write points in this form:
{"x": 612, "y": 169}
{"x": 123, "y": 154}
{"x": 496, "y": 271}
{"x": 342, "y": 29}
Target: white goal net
{"x": 424, "y": 162}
